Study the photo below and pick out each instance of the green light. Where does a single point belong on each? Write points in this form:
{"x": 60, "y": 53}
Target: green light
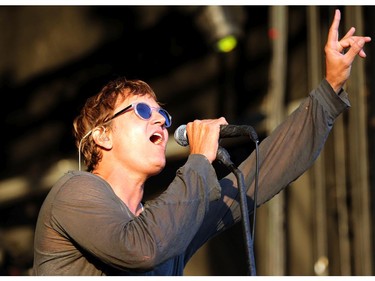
{"x": 227, "y": 44}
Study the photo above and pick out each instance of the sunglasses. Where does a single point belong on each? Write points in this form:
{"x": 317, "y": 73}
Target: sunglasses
{"x": 144, "y": 111}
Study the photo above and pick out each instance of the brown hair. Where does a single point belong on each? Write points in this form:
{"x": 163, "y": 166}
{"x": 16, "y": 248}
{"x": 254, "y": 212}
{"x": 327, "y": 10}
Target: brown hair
{"x": 98, "y": 109}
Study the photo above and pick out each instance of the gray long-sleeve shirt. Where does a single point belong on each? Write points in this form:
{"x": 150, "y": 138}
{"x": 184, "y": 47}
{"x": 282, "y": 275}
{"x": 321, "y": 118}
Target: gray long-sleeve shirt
{"x": 84, "y": 229}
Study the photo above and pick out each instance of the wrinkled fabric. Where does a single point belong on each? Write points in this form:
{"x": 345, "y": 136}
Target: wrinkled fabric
{"x": 83, "y": 228}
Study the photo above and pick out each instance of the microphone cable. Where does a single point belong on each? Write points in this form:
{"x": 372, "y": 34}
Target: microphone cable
{"x": 256, "y": 184}
{"x": 224, "y": 157}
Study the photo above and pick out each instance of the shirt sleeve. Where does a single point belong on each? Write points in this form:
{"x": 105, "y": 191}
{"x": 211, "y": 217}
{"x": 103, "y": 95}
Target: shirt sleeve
{"x": 284, "y": 155}
{"x": 93, "y": 217}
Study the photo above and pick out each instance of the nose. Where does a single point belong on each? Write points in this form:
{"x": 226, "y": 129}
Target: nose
{"x": 157, "y": 117}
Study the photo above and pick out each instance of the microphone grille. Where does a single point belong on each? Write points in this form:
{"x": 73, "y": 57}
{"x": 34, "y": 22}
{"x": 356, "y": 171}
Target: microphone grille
{"x": 180, "y": 136}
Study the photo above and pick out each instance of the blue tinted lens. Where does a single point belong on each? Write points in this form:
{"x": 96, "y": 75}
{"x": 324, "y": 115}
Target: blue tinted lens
{"x": 144, "y": 111}
{"x": 168, "y": 118}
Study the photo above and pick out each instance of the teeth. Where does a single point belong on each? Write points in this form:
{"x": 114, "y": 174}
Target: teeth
{"x": 156, "y": 138}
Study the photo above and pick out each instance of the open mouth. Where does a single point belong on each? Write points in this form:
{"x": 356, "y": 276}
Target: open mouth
{"x": 156, "y": 138}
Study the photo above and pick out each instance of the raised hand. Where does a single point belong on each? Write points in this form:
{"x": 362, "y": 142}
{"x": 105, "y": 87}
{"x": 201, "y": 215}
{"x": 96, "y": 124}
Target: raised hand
{"x": 340, "y": 54}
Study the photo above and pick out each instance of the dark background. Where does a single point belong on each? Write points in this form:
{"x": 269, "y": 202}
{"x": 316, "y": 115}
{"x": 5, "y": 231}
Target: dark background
{"x": 54, "y": 57}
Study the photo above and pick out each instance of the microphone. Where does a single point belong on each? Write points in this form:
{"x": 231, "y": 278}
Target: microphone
{"x": 226, "y": 131}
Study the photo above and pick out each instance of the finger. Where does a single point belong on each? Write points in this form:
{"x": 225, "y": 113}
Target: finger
{"x": 222, "y": 121}
{"x": 333, "y": 33}
{"x": 346, "y": 42}
{"x": 362, "y": 54}
{"x": 356, "y": 47}
{"x": 349, "y": 33}
{"x": 352, "y": 41}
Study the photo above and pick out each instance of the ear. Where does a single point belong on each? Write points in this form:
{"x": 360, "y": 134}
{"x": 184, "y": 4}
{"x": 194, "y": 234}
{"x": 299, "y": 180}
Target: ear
{"x": 102, "y": 137}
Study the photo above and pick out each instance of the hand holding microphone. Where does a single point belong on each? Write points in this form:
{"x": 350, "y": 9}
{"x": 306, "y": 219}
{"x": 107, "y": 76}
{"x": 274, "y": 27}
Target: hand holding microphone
{"x": 199, "y": 127}
{"x": 226, "y": 131}
{"x": 203, "y": 136}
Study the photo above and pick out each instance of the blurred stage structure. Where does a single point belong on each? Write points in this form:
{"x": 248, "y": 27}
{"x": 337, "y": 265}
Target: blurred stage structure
{"x": 54, "y": 57}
